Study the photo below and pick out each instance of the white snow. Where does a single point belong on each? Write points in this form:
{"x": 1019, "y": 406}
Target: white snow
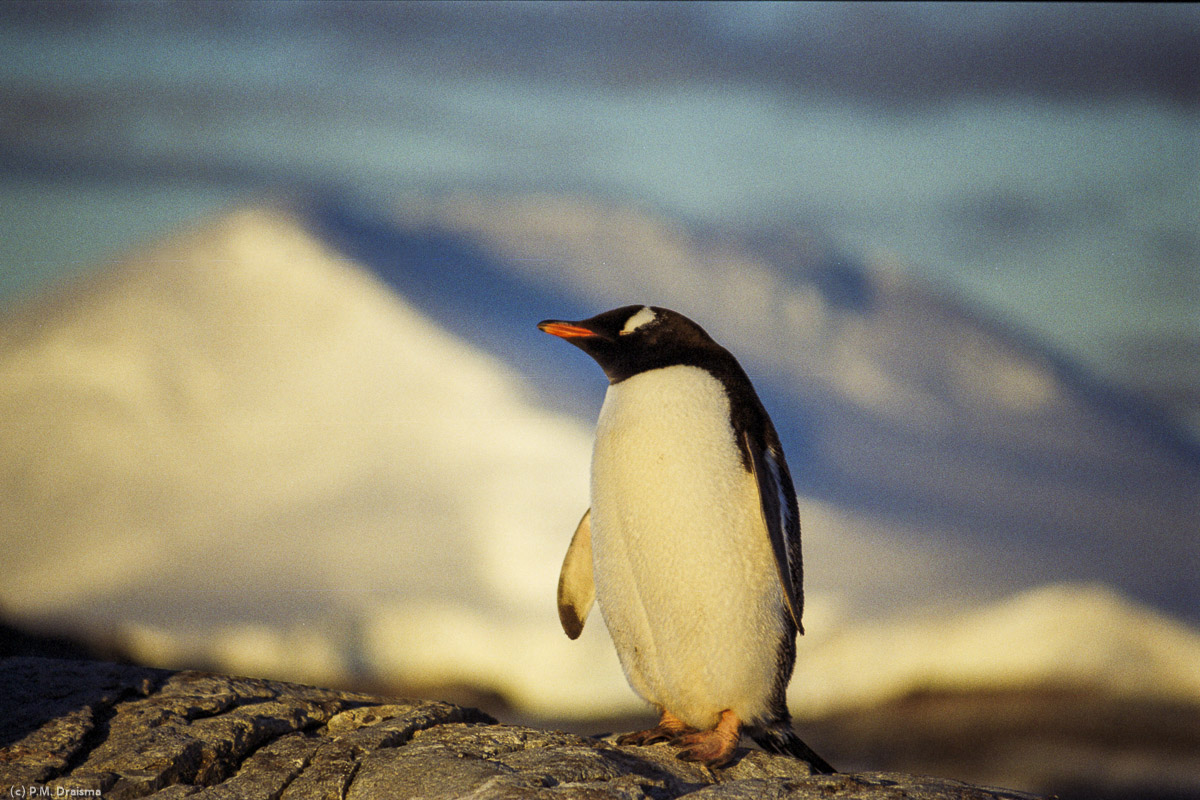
{"x": 240, "y": 407}
{"x": 239, "y": 448}
{"x": 1060, "y": 636}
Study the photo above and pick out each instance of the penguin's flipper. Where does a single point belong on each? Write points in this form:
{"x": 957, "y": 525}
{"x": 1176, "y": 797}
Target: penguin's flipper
{"x": 576, "y": 586}
{"x": 778, "y": 500}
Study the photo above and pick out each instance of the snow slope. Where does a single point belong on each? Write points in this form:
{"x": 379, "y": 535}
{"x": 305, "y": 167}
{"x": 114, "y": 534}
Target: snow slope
{"x": 1075, "y": 636}
{"x": 239, "y": 396}
{"x": 242, "y": 449}
{"x": 892, "y": 400}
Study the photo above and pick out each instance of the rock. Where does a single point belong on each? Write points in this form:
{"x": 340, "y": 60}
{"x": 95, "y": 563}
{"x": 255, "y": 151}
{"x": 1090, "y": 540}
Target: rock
{"x": 78, "y": 728}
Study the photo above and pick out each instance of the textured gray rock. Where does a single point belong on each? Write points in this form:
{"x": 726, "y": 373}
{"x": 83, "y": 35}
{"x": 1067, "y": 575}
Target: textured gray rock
{"x": 135, "y": 732}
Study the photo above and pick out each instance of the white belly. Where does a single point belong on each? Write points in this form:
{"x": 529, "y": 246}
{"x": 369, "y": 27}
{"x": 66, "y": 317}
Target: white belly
{"x": 685, "y": 576}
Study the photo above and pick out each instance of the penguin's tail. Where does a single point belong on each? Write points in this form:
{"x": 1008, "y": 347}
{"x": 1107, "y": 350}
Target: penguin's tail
{"x": 778, "y": 737}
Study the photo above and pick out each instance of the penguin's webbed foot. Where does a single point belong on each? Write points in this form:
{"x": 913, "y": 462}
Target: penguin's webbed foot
{"x": 649, "y": 736}
{"x": 713, "y": 748}
{"x": 668, "y": 729}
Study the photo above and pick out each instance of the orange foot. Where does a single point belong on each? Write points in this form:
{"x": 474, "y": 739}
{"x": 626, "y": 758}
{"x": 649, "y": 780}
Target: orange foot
{"x": 713, "y": 748}
{"x": 668, "y": 728}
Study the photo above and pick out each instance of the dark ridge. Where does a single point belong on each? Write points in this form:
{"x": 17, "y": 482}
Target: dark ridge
{"x": 16, "y": 641}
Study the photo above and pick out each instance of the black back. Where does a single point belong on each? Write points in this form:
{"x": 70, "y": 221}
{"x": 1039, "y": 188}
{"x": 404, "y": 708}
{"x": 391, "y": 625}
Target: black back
{"x": 671, "y": 339}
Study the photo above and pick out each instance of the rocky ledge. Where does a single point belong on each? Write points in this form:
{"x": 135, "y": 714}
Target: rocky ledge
{"x": 90, "y": 729}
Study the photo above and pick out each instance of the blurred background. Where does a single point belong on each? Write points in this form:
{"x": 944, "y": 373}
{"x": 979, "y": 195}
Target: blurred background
{"x": 273, "y": 401}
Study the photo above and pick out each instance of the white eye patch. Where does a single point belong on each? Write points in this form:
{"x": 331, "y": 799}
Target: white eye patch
{"x": 643, "y": 317}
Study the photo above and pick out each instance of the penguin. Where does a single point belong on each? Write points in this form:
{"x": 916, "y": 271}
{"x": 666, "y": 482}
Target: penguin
{"x": 691, "y": 546}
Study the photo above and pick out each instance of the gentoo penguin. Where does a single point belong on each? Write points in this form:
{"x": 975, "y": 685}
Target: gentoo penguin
{"x": 692, "y": 542}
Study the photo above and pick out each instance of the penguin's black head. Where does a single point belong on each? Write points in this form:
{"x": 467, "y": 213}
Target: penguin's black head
{"x": 633, "y": 339}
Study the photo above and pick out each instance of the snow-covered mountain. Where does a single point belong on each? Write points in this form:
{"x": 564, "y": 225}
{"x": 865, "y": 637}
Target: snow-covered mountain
{"x": 951, "y": 430}
{"x": 240, "y": 398}
{"x": 1073, "y": 636}
{"x": 325, "y": 446}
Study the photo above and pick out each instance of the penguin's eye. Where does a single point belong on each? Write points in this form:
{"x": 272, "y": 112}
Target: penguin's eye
{"x": 642, "y": 318}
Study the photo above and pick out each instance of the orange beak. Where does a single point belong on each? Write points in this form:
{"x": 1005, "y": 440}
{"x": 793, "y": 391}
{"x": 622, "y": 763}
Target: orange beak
{"x": 565, "y": 330}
